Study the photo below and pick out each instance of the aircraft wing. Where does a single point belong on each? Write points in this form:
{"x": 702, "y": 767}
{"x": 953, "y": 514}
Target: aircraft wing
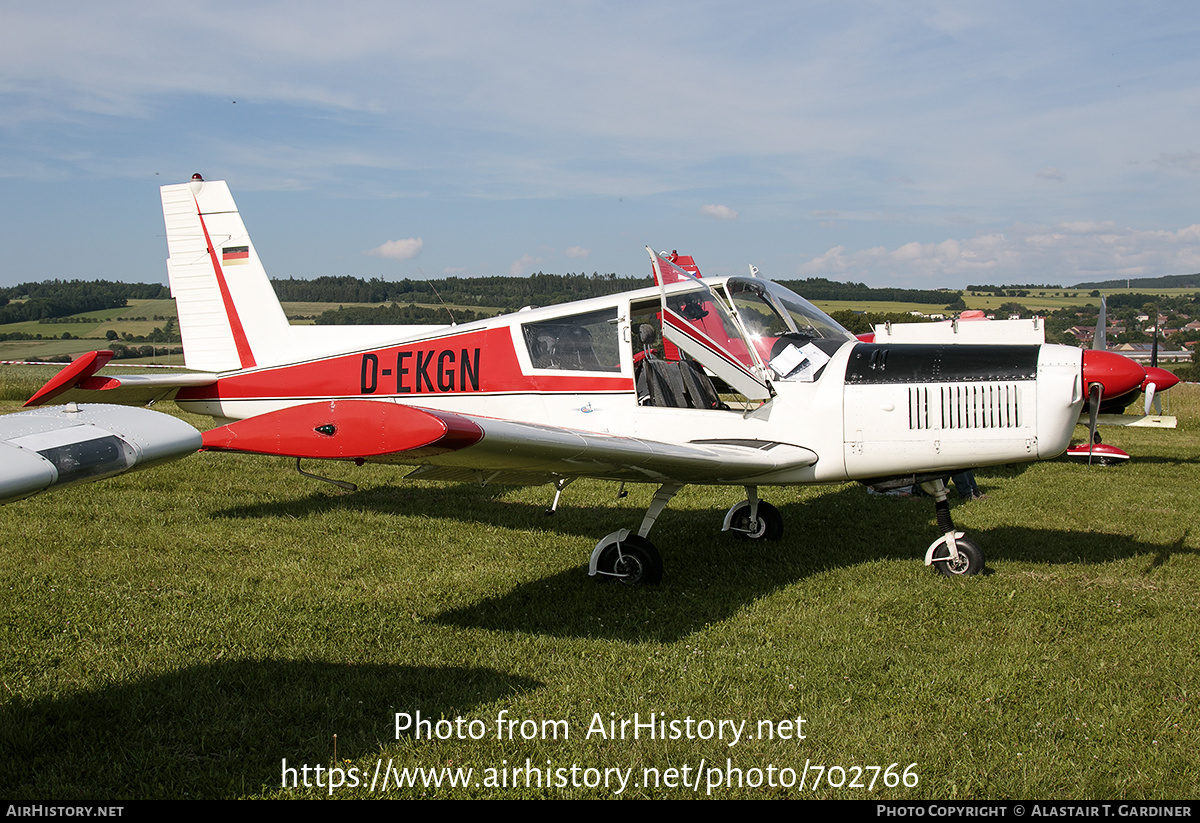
{"x": 78, "y": 383}
{"x": 454, "y": 446}
{"x": 64, "y": 445}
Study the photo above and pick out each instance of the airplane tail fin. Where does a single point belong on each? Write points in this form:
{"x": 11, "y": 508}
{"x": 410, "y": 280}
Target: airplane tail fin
{"x": 229, "y": 315}
{"x": 1098, "y": 340}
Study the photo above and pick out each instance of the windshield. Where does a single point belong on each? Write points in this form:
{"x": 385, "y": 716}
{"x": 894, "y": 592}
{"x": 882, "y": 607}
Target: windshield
{"x": 768, "y": 309}
{"x": 791, "y": 334}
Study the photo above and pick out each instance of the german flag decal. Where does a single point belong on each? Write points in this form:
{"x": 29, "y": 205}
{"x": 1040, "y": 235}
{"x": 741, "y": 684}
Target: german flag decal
{"x": 235, "y": 255}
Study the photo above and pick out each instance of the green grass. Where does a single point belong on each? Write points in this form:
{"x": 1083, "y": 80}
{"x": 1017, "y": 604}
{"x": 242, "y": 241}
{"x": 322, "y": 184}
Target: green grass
{"x": 18, "y": 383}
{"x": 179, "y": 632}
{"x": 881, "y": 306}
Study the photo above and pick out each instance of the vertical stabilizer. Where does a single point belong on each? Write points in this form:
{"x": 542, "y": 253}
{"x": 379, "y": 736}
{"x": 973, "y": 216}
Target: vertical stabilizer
{"x": 229, "y": 315}
{"x": 1099, "y": 342}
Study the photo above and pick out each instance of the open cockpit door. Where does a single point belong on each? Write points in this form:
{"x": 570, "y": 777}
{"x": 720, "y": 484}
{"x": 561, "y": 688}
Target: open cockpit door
{"x": 698, "y": 321}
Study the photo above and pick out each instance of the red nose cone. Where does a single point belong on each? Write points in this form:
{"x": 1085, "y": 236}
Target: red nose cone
{"x": 1161, "y": 378}
{"x": 1116, "y": 373}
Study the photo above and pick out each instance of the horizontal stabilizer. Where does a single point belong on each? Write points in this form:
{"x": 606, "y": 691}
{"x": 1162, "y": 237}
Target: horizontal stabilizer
{"x": 78, "y": 382}
{"x": 1149, "y": 421}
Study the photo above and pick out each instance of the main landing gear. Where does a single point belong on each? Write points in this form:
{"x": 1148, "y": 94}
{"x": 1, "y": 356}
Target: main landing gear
{"x": 633, "y": 560}
{"x": 752, "y": 519}
{"x": 629, "y": 558}
{"x": 951, "y": 554}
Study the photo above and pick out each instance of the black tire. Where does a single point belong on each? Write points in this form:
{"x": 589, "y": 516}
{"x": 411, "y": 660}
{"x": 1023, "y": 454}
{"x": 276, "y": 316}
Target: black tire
{"x": 769, "y": 526}
{"x": 634, "y": 561}
{"x": 970, "y": 560}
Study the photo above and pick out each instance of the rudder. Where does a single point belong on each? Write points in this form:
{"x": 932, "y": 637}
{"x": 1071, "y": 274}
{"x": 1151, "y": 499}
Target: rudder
{"x": 229, "y": 315}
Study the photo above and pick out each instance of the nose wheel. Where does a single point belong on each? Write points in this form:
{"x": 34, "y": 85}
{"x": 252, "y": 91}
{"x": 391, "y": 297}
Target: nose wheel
{"x": 967, "y": 559}
{"x": 951, "y": 554}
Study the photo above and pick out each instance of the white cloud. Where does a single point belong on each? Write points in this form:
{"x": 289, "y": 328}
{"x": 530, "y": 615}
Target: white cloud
{"x": 844, "y": 111}
{"x": 578, "y": 251}
{"x": 523, "y": 264}
{"x": 719, "y": 212}
{"x": 398, "y": 249}
{"x": 451, "y": 271}
{"x": 1189, "y": 161}
{"x": 1065, "y": 253}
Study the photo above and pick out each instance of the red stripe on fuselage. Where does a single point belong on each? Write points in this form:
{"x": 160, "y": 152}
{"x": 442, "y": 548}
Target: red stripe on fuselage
{"x": 476, "y": 362}
{"x": 245, "y": 355}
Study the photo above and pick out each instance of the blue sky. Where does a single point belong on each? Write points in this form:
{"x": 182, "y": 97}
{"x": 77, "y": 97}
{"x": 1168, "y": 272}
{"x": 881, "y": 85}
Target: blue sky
{"x": 919, "y": 144}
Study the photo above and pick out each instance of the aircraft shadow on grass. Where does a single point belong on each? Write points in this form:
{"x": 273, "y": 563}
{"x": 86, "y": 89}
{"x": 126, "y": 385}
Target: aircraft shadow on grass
{"x": 458, "y": 501}
{"x": 221, "y": 730}
{"x": 1154, "y": 459}
{"x": 838, "y": 529}
{"x": 684, "y": 603}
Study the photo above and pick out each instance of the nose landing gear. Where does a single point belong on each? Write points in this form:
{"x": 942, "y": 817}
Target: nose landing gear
{"x": 952, "y": 554}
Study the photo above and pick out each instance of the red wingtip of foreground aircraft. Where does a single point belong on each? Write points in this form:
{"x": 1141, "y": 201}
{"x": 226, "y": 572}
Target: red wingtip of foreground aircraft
{"x": 1098, "y": 454}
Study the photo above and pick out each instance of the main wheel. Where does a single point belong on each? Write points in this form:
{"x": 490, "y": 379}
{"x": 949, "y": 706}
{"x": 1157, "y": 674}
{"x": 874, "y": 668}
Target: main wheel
{"x": 634, "y": 561}
{"x": 769, "y": 525}
{"x": 970, "y": 559}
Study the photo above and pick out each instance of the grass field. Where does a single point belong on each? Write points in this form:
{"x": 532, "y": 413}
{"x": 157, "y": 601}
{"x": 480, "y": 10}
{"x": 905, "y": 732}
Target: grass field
{"x": 1038, "y": 300}
{"x": 178, "y": 633}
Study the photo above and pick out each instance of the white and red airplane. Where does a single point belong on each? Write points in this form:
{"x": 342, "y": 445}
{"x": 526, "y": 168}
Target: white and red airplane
{"x": 773, "y": 392}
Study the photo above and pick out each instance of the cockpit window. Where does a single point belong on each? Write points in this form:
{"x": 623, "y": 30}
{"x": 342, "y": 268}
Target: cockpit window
{"x": 790, "y": 334}
{"x": 769, "y": 310}
{"x": 579, "y": 342}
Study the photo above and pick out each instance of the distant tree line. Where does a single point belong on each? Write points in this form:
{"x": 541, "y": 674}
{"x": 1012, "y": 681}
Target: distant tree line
{"x": 863, "y": 322}
{"x": 123, "y": 352}
{"x": 1172, "y": 281}
{"x": 1024, "y": 286}
{"x": 80, "y": 288}
{"x": 58, "y": 298}
{"x": 394, "y": 315}
{"x": 502, "y": 292}
{"x": 1178, "y": 303}
{"x": 818, "y": 288}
